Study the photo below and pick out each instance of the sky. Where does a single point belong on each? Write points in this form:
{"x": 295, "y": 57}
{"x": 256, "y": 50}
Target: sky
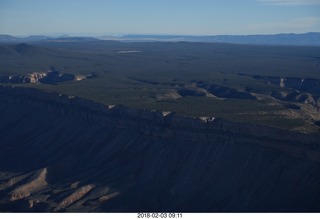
{"x": 173, "y": 17}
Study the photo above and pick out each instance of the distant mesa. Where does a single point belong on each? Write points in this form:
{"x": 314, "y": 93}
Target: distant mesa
{"x": 49, "y": 77}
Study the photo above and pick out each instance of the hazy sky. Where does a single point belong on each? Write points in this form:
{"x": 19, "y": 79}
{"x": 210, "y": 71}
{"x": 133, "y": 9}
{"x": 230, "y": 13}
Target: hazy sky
{"x": 194, "y": 17}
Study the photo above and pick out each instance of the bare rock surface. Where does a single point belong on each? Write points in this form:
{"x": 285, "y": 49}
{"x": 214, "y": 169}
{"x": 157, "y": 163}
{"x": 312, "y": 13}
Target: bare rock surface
{"x": 33, "y": 186}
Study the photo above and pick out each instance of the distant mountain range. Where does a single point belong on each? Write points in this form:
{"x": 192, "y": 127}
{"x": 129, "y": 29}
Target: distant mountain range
{"x": 306, "y": 39}
{"x": 312, "y": 39}
{"x": 10, "y": 38}
{"x": 15, "y": 39}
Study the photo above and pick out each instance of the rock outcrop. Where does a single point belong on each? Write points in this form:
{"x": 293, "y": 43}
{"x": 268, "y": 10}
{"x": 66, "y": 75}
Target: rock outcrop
{"x": 35, "y": 185}
{"x": 71, "y": 154}
{"x": 305, "y": 90}
{"x": 50, "y": 77}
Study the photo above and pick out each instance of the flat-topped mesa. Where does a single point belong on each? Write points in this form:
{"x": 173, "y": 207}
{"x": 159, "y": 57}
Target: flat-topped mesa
{"x": 54, "y": 102}
{"x": 123, "y": 116}
{"x": 72, "y": 154}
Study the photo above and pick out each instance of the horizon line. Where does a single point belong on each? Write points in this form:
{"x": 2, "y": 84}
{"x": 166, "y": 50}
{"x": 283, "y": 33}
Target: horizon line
{"x": 144, "y": 34}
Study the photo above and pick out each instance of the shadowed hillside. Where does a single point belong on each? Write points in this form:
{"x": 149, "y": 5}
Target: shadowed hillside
{"x": 61, "y": 153}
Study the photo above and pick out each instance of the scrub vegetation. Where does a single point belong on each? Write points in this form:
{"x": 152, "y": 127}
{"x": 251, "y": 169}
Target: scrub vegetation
{"x": 247, "y": 83}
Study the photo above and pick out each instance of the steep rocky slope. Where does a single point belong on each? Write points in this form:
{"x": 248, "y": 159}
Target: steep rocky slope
{"x": 61, "y": 153}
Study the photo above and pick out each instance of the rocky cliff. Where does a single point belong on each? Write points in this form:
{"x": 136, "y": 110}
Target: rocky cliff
{"x": 50, "y": 77}
{"x": 303, "y": 90}
{"x": 62, "y": 153}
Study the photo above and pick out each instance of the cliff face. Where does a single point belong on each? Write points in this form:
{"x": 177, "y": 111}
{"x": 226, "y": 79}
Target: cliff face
{"x": 304, "y": 90}
{"x": 61, "y": 153}
{"x": 50, "y": 77}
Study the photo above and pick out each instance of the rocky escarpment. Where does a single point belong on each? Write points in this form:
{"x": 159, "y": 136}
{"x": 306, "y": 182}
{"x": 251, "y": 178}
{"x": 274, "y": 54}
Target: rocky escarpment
{"x": 303, "y": 90}
{"x": 309, "y": 85}
{"x": 50, "y": 77}
{"x": 62, "y": 153}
